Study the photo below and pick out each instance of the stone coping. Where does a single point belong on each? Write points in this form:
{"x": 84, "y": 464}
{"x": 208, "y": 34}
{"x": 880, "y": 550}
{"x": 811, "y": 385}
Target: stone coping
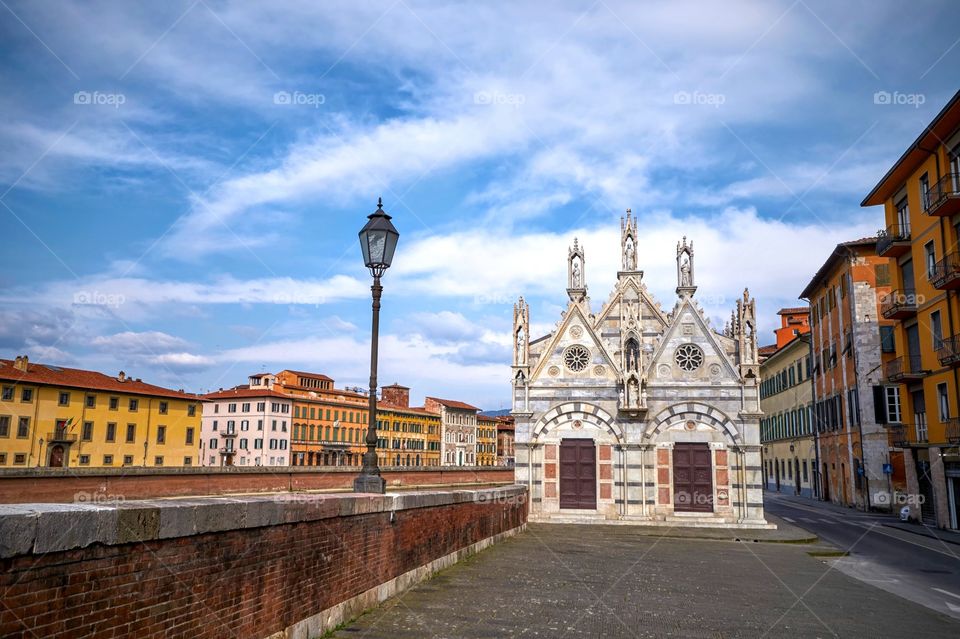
{"x": 41, "y": 528}
{"x": 141, "y": 471}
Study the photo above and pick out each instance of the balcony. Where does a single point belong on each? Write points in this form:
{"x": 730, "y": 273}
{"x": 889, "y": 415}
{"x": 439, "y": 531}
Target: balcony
{"x": 904, "y": 369}
{"x": 229, "y": 433}
{"x": 60, "y": 436}
{"x": 893, "y": 241}
{"x": 898, "y": 435}
{"x": 899, "y": 304}
{"x": 945, "y": 274}
{"x": 948, "y": 353}
{"x": 951, "y": 430}
{"x": 944, "y": 196}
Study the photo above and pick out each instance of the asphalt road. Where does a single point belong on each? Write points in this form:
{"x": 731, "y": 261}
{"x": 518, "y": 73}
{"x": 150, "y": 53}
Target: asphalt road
{"x": 921, "y": 569}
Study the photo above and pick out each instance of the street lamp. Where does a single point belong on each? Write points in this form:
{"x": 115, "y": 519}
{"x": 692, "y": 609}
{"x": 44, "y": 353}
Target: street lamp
{"x": 378, "y": 241}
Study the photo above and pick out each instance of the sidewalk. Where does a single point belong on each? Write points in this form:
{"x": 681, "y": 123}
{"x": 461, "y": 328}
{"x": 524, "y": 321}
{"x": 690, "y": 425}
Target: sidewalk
{"x": 947, "y": 536}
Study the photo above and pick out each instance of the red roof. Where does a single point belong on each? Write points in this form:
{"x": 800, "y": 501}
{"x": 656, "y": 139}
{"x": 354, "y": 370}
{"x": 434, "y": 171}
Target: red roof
{"x": 451, "y": 403}
{"x": 51, "y": 375}
{"x": 766, "y": 350}
{"x": 303, "y": 374}
{"x": 244, "y": 392}
{"x": 794, "y": 311}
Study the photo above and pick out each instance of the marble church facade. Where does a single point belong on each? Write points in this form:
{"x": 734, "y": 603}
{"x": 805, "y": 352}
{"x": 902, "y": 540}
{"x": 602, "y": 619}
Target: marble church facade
{"x": 637, "y": 414}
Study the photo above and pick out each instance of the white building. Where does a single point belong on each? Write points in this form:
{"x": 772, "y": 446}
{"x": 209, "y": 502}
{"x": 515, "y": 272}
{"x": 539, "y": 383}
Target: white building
{"x": 246, "y": 426}
{"x": 458, "y": 434}
{"x": 636, "y": 413}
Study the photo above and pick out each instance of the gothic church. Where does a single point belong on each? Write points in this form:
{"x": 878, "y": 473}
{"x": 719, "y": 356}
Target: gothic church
{"x": 635, "y": 414}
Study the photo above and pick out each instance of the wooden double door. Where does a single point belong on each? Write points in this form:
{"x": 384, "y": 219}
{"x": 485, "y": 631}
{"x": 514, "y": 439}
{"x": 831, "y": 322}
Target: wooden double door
{"x": 578, "y": 474}
{"x": 692, "y": 478}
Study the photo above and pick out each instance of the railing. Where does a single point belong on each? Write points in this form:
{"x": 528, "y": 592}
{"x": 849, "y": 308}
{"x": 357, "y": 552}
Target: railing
{"x": 948, "y": 352}
{"x": 946, "y": 272}
{"x": 61, "y": 435}
{"x": 907, "y": 367}
{"x": 952, "y": 430}
{"x": 898, "y": 435}
{"x": 230, "y": 432}
{"x": 893, "y": 233}
{"x": 899, "y": 302}
{"x": 944, "y": 196}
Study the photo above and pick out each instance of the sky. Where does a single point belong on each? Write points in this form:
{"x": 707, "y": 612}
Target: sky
{"x": 182, "y": 183}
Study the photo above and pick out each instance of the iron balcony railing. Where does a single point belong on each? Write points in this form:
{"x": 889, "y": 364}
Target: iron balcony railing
{"x": 907, "y": 367}
{"x": 61, "y": 435}
{"x": 948, "y": 351}
{"x": 944, "y": 196}
{"x": 946, "y": 272}
{"x": 899, "y": 303}
{"x": 890, "y": 235}
{"x": 952, "y": 430}
{"x": 898, "y": 435}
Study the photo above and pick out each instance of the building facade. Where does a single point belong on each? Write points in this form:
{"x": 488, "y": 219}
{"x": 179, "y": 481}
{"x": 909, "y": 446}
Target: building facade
{"x": 458, "y": 443}
{"x": 786, "y": 429}
{"x": 66, "y": 417}
{"x": 920, "y": 196}
{"x": 505, "y": 441}
{"x": 406, "y": 436}
{"x": 246, "y": 426}
{"x": 636, "y": 413}
{"x": 850, "y": 349}
{"x": 486, "y": 440}
{"x": 794, "y": 322}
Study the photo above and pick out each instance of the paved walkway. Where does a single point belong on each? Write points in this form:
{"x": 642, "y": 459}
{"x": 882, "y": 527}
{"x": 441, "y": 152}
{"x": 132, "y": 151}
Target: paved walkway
{"x": 566, "y": 581}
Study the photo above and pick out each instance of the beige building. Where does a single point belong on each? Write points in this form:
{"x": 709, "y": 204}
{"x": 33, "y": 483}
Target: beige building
{"x": 458, "y": 444}
{"x": 789, "y": 452}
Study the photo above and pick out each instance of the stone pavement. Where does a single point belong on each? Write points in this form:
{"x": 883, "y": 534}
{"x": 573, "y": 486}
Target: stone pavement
{"x": 567, "y": 581}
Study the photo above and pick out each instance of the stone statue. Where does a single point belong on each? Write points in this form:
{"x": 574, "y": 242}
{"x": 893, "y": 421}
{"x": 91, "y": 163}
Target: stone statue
{"x": 685, "y": 272}
{"x": 621, "y": 397}
{"x": 521, "y": 341}
{"x": 643, "y": 397}
{"x": 629, "y": 256}
{"x": 576, "y": 275}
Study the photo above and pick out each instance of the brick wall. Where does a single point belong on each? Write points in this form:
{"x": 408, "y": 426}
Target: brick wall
{"x": 229, "y": 567}
{"x": 34, "y": 485}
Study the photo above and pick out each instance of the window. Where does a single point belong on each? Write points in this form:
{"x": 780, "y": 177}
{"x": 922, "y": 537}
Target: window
{"x": 163, "y": 407}
{"x": 261, "y": 406}
{"x": 131, "y": 433}
{"x": 114, "y": 403}
{"x": 892, "y": 394}
{"x": 903, "y": 215}
{"x": 189, "y": 440}
{"x": 91, "y": 401}
{"x": 84, "y": 460}
{"x": 127, "y": 460}
{"x": 4, "y": 425}
{"x": 134, "y": 405}
{"x": 23, "y": 427}
{"x": 213, "y": 443}
{"x": 111, "y": 432}
{"x": 244, "y": 424}
{"x": 87, "y": 433}
{"x": 925, "y": 191}
{"x": 943, "y": 402}
{"x": 259, "y": 424}
{"x": 188, "y": 461}
{"x": 882, "y": 273}
{"x": 158, "y": 461}
{"x": 8, "y": 393}
{"x": 246, "y": 407}
{"x": 108, "y": 460}
{"x": 886, "y": 339}
{"x": 216, "y": 408}
{"x": 191, "y": 411}
{"x": 243, "y": 443}
{"x": 231, "y": 408}
{"x": 258, "y": 444}
{"x": 26, "y": 395}
{"x": 161, "y": 434}
{"x": 930, "y": 258}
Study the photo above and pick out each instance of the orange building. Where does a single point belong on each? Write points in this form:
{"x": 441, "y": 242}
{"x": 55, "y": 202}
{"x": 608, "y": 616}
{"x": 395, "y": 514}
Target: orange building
{"x": 794, "y": 322}
{"x": 851, "y": 342}
{"x": 920, "y": 196}
{"x": 505, "y": 441}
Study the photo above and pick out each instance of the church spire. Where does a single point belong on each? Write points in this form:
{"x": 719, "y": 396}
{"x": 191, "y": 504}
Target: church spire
{"x": 628, "y": 243}
{"x": 685, "y": 282}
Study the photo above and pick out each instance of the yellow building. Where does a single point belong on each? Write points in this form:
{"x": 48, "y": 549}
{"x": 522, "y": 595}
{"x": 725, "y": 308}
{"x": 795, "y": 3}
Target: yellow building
{"x": 486, "y": 441}
{"x": 921, "y": 199}
{"x": 406, "y": 436}
{"x": 65, "y": 417}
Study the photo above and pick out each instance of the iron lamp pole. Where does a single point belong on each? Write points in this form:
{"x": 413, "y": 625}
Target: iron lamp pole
{"x": 378, "y": 241}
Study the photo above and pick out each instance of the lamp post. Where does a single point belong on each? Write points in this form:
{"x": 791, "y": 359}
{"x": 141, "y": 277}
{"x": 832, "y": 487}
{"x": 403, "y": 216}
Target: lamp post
{"x": 378, "y": 241}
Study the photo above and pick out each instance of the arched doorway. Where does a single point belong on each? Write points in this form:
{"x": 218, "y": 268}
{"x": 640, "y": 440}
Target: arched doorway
{"x": 56, "y": 456}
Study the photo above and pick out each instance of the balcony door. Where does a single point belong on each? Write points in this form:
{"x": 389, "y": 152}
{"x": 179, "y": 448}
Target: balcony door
{"x": 906, "y": 272}
{"x": 919, "y": 414}
{"x": 913, "y": 349}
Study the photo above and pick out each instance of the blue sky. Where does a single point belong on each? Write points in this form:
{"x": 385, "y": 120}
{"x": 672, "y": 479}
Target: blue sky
{"x": 182, "y": 182}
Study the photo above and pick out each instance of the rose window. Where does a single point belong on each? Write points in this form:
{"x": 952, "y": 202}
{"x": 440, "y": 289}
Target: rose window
{"x": 689, "y": 357}
{"x": 576, "y": 358}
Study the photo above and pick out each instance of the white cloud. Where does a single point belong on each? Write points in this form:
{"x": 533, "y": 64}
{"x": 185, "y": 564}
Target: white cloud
{"x": 134, "y": 342}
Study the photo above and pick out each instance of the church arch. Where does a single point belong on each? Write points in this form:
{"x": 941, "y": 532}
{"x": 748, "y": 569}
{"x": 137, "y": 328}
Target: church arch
{"x": 569, "y": 413}
{"x": 696, "y": 412}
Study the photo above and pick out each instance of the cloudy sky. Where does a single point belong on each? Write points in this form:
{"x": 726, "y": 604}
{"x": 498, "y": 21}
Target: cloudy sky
{"x": 181, "y": 183}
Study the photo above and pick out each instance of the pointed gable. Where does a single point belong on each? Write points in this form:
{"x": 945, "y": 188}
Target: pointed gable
{"x": 575, "y": 329}
{"x": 702, "y": 358}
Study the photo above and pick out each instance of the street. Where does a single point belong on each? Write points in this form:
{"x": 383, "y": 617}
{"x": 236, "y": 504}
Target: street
{"x": 922, "y": 569}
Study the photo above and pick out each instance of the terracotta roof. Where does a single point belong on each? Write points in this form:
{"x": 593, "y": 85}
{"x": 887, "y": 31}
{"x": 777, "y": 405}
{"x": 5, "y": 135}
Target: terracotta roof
{"x": 395, "y": 385}
{"x": 839, "y": 251}
{"x": 768, "y": 349}
{"x": 304, "y": 374}
{"x": 794, "y": 310}
{"x": 51, "y": 375}
{"x": 451, "y": 403}
{"x": 242, "y": 391}
{"x": 419, "y": 410}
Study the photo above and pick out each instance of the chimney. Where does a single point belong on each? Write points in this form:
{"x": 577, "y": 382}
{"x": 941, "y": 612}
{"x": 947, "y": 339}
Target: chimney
{"x": 21, "y": 363}
{"x": 122, "y": 377}
{"x": 396, "y": 395}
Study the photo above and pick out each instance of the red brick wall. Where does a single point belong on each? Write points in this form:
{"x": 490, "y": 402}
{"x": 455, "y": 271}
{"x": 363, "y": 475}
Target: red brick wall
{"x": 239, "y": 583}
{"x": 71, "y": 485}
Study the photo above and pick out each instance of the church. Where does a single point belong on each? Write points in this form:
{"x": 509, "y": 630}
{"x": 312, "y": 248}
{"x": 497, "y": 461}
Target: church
{"x": 635, "y": 414}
